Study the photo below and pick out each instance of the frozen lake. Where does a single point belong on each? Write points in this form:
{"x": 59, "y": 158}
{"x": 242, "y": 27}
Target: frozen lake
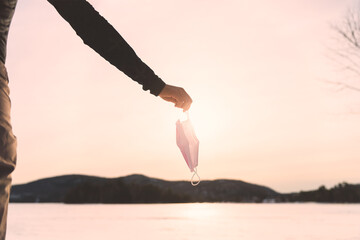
{"x": 216, "y": 221}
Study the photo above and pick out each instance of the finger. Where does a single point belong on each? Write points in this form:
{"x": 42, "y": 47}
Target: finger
{"x": 180, "y": 104}
{"x": 178, "y": 95}
{"x": 186, "y": 106}
{"x": 169, "y": 99}
{"x": 179, "y": 98}
{"x": 187, "y": 100}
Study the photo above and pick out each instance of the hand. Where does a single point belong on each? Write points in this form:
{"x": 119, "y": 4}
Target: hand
{"x": 176, "y": 95}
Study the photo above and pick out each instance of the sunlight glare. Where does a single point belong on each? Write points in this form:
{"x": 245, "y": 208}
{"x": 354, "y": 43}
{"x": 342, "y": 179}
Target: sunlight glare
{"x": 205, "y": 121}
{"x": 200, "y": 211}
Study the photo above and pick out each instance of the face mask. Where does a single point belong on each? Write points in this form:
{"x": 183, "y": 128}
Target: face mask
{"x": 189, "y": 145}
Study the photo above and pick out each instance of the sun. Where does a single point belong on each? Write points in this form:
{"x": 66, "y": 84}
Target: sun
{"x": 205, "y": 121}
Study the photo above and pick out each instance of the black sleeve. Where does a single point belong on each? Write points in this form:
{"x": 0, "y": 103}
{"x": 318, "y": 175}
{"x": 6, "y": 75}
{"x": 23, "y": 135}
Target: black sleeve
{"x": 97, "y": 33}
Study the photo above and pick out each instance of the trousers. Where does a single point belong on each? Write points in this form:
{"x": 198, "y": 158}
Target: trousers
{"x": 7, "y": 149}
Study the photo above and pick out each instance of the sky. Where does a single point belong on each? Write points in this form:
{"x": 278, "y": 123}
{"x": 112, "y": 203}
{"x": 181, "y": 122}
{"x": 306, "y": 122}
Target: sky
{"x": 256, "y": 71}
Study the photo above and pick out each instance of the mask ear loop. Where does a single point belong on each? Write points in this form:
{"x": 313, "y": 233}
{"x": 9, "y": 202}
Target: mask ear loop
{"x": 192, "y": 178}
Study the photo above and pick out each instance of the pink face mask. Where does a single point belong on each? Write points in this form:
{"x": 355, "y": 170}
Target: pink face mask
{"x": 188, "y": 144}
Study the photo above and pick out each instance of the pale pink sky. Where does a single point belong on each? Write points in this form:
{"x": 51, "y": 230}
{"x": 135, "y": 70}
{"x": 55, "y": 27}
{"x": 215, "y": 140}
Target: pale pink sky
{"x": 253, "y": 68}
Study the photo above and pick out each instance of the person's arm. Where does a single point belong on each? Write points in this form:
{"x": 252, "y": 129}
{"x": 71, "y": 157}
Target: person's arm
{"x": 97, "y": 33}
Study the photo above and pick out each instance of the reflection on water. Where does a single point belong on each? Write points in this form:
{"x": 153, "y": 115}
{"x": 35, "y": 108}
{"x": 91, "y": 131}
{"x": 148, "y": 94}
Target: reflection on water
{"x": 199, "y": 211}
{"x": 184, "y": 221}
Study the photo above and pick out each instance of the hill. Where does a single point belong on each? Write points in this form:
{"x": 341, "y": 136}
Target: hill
{"x": 143, "y": 189}
{"x": 136, "y": 189}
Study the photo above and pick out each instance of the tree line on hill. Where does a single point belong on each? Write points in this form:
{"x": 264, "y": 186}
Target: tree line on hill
{"x": 340, "y": 193}
{"x": 142, "y": 189}
{"x": 116, "y": 191}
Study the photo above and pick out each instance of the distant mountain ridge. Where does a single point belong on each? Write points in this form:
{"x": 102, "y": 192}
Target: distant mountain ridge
{"x": 136, "y": 189}
{"x": 142, "y": 189}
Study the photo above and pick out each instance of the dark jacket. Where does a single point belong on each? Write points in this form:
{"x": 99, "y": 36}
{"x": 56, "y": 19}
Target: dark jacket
{"x": 97, "y": 33}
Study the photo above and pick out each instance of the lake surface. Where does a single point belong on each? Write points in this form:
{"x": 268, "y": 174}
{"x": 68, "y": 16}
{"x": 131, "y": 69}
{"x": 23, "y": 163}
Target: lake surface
{"x": 218, "y": 221}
